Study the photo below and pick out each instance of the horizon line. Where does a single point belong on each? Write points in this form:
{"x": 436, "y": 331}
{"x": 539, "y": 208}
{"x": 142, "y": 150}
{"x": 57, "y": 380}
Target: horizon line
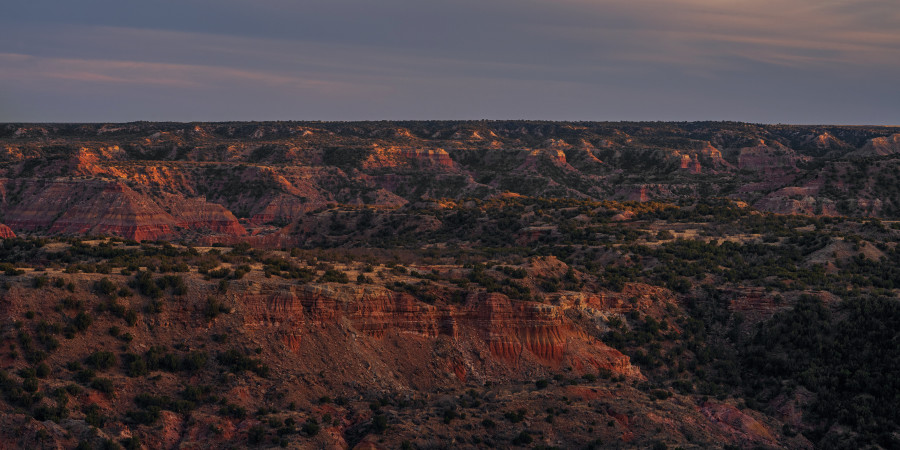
{"x": 723, "y": 121}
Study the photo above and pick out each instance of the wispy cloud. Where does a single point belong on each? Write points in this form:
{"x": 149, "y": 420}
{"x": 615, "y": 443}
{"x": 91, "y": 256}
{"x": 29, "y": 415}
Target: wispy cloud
{"x": 714, "y": 35}
{"x": 36, "y": 70}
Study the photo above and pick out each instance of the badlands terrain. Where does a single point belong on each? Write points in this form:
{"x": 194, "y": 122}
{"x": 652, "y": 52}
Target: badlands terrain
{"x": 488, "y": 284}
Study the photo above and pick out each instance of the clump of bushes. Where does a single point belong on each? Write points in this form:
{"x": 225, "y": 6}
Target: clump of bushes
{"x": 214, "y": 307}
{"x": 334, "y": 276}
{"x": 237, "y": 362}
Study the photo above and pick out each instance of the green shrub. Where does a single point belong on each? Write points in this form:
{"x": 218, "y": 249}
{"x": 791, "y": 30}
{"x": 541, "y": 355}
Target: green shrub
{"x": 40, "y": 281}
{"x": 214, "y": 307}
{"x": 334, "y": 276}
{"x": 82, "y": 321}
{"x": 311, "y": 427}
{"x": 237, "y": 362}
{"x": 379, "y": 423}
{"x": 130, "y": 317}
{"x": 522, "y": 438}
{"x": 101, "y": 360}
{"x": 30, "y": 384}
{"x": 131, "y": 443}
{"x": 93, "y": 416}
{"x": 104, "y": 385}
{"x": 42, "y": 370}
{"x": 234, "y": 411}
{"x": 146, "y": 416}
{"x": 256, "y": 434}
{"x": 106, "y": 287}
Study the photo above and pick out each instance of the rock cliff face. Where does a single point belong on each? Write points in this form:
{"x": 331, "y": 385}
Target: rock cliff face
{"x": 737, "y": 424}
{"x": 197, "y": 214}
{"x": 408, "y": 158}
{"x": 521, "y": 331}
{"x": 511, "y": 329}
{"x": 6, "y": 232}
{"x": 798, "y": 200}
{"x": 515, "y": 335}
{"x": 768, "y": 157}
{"x": 116, "y": 210}
{"x": 74, "y": 206}
{"x": 43, "y": 202}
{"x": 645, "y": 192}
{"x": 880, "y": 146}
{"x": 690, "y": 163}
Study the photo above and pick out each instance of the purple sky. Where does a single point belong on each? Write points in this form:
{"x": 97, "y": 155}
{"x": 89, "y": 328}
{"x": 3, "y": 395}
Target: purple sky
{"x": 788, "y": 61}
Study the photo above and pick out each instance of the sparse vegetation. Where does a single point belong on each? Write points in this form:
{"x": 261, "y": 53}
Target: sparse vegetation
{"x": 495, "y": 288}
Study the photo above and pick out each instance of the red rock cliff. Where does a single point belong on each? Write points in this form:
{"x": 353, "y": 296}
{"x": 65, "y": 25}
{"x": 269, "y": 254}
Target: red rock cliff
{"x": 6, "y": 232}
{"x": 512, "y": 333}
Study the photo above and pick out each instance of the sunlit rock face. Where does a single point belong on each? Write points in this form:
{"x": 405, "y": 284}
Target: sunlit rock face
{"x": 256, "y": 182}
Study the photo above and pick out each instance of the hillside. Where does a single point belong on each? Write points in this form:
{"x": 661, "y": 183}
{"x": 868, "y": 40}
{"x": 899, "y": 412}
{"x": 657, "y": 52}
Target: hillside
{"x": 448, "y": 285}
{"x": 152, "y": 180}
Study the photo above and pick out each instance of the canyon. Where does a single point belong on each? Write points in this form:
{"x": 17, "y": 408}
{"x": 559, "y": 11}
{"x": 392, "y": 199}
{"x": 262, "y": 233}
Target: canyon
{"x": 146, "y": 181}
{"x": 447, "y": 284}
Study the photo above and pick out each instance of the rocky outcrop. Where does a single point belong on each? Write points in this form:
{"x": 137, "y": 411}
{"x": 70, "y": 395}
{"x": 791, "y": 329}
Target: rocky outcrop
{"x": 767, "y": 157}
{"x": 645, "y": 192}
{"x": 44, "y": 201}
{"x": 796, "y": 201}
{"x": 93, "y": 206}
{"x": 510, "y": 328}
{"x": 880, "y": 146}
{"x": 438, "y": 158}
{"x": 690, "y": 163}
{"x": 200, "y": 215}
{"x": 537, "y": 159}
{"x": 739, "y": 426}
{"x": 6, "y": 232}
{"x": 712, "y": 155}
{"x": 515, "y": 333}
{"x": 584, "y": 158}
{"x": 88, "y": 207}
{"x": 280, "y": 207}
{"x": 407, "y": 158}
{"x": 116, "y": 210}
{"x": 371, "y": 310}
{"x": 825, "y": 142}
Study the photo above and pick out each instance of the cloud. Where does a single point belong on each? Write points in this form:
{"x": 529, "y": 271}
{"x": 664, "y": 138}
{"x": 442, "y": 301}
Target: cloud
{"x": 464, "y": 58}
{"x": 716, "y": 35}
{"x": 35, "y": 70}
{"x": 360, "y": 65}
{"x": 470, "y": 37}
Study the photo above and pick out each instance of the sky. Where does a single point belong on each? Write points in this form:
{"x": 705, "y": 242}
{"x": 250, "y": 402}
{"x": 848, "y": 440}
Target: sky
{"x": 765, "y": 61}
